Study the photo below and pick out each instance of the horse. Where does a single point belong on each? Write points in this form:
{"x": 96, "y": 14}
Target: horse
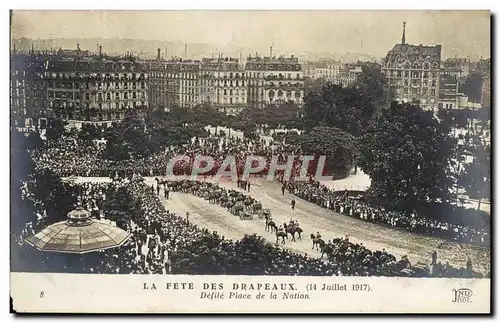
{"x": 291, "y": 229}
{"x": 283, "y": 236}
{"x": 326, "y": 249}
{"x": 317, "y": 242}
{"x": 248, "y": 201}
{"x": 264, "y": 213}
{"x": 237, "y": 209}
{"x": 270, "y": 225}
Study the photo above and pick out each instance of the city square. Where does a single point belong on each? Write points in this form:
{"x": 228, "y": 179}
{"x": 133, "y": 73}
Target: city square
{"x": 406, "y": 142}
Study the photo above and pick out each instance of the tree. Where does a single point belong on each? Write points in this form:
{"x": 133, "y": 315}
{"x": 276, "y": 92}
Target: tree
{"x": 473, "y": 87}
{"x": 205, "y": 256}
{"x": 55, "y": 129}
{"x": 371, "y": 86}
{"x": 350, "y": 108}
{"x": 58, "y": 199}
{"x": 407, "y": 153}
{"x": 127, "y": 139}
{"x": 314, "y": 85}
{"x": 338, "y": 107}
{"x": 286, "y": 115}
{"x": 252, "y": 256}
{"x": 89, "y": 132}
{"x": 476, "y": 177}
{"x": 338, "y": 146}
{"x": 21, "y": 166}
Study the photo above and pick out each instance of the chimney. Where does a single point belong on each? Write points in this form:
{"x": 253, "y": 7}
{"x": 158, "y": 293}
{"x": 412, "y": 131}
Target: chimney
{"x": 78, "y": 47}
{"x": 185, "y": 51}
{"x": 158, "y": 56}
{"x": 32, "y": 48}
{"x": 403, "y": 39}
{"x": 271, "y": 51}
{"x": 100, "y": 50}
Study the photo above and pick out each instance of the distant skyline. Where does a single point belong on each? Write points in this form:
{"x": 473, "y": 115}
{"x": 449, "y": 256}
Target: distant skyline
{"x": 461, "y": 33}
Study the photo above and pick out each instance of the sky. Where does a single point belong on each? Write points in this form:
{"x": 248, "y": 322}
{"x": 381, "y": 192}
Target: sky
{"x": 461, "y": 33}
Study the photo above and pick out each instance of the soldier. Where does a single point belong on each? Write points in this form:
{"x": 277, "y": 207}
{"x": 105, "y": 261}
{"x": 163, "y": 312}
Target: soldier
{"x": 469, "y": 265}
{"x": 434, "y": 256}
{"x": 283, "y": 189}
{"x": 293, "y": 204}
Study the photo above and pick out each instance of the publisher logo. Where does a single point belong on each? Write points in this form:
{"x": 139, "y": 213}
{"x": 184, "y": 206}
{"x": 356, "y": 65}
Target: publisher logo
{"x": 462, "y": 295}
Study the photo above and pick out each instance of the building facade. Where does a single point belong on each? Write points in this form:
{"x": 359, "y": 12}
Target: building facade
{"x": 164, "y": 83}
{"x": 348, "y": 75}
{"x": 28, "y": 90}
{"x": 189, "y": 83}
{"x": 223, "y": 83}
{"x": 449, "y": 98}
{"x": 486, "y": 91}
{"x": 330, "y": 73}
{"x": 96, "y": 89}
{"x": 413, "y": 73}
{"x": 76, "y": 87}
{"x": 274, "y": 80}
{"x": 172, "y": 82}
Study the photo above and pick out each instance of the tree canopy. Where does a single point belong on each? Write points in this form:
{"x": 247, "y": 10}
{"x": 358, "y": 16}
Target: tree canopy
{"x": 338, "y": 146}
{"x": 476, "y": 177}
{"x": 136, "y": 137}
{"x": 473, "y": 87}
{"x": 350, "y": 108}
{"x": 407, "y": 153}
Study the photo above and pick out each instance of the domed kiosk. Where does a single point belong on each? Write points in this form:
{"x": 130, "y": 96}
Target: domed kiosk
{"x": 80, "y": 233}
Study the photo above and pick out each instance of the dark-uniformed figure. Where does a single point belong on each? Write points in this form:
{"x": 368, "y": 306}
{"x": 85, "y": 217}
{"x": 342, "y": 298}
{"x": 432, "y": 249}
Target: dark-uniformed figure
{"x": 293, "y": 204}
{"x": 434, "y": 256}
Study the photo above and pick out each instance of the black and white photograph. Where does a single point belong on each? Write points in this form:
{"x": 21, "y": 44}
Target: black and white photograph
{"x": 251, "y": 143}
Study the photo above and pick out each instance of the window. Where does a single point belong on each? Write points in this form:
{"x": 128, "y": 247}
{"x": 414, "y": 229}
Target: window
{"x": 225, "y": 92}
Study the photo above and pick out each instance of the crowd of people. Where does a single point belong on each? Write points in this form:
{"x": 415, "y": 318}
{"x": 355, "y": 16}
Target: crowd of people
{"x": 72, "y": 157}
{"x": 163, "y": 242}
{"x": 356, "y": 207}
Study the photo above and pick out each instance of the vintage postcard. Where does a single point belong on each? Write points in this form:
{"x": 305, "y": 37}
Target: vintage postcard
{"x": 250, "y": 161}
